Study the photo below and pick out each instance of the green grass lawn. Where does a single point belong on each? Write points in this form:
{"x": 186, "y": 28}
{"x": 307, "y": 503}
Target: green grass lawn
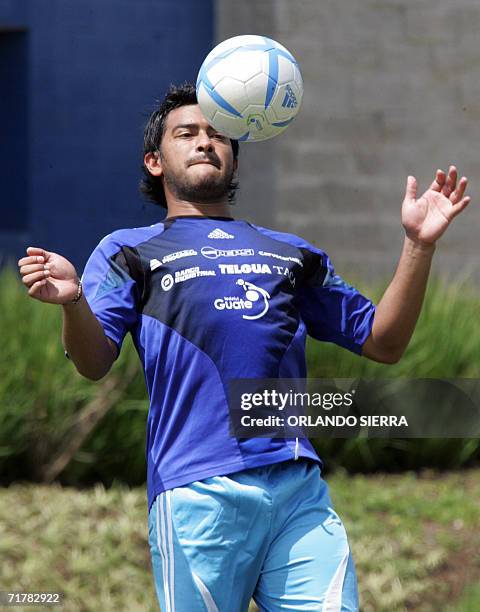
{"x": 416, "y": 542}
{"x": 415, "y": 539}
{"x": 470, "y": 600}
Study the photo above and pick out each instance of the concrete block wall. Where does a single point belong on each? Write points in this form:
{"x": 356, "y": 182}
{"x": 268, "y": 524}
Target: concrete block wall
{"x": 391, "y": 88}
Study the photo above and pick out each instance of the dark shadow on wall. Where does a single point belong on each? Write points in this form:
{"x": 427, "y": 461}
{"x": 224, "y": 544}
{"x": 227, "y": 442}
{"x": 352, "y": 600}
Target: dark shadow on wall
{"x": 14, "y": 150}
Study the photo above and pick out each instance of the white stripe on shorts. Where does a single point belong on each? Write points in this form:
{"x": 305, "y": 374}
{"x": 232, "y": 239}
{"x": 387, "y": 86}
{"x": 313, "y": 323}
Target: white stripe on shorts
{"x": 333, "y": 597}
{"x": 171, "y": 555}
{"x": 161, "y": 543}
{"x": 205, "y": 593}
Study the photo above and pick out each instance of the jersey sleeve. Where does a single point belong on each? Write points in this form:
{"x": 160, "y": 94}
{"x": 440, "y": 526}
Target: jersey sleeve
{"x": 333, "y": 310}
{"x": 110, "y": 290}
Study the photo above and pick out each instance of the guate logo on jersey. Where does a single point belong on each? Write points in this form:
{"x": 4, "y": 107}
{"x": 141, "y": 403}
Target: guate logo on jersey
{"x": 213, "y": 253}
{"x": 220, "y": 234}
{"x": 254, "y": 301}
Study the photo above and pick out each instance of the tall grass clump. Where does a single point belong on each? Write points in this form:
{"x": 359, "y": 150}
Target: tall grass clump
{"x": 52, "y": 420}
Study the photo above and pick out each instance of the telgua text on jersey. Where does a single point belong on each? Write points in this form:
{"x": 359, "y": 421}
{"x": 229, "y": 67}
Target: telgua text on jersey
{"x": 246, "y": 268}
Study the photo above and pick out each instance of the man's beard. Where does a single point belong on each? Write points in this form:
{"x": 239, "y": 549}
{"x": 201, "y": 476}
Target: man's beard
{"x": 205, "y": 190}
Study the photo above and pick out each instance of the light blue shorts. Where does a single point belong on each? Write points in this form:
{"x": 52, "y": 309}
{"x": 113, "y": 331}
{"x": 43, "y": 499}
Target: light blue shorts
{"x": 269, "y": 533}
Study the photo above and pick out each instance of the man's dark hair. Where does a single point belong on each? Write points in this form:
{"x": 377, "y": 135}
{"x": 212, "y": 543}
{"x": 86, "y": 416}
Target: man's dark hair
{"x": 177, "y": 96}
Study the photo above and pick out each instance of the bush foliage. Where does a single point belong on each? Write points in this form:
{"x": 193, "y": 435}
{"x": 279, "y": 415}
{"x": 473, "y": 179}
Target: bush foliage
{"x": 56, "y": 425}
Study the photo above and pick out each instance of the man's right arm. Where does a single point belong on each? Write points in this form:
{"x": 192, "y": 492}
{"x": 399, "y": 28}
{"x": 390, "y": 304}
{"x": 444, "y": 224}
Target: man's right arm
{"x": 85, "y": 341}
{"x": 51, "y": 278}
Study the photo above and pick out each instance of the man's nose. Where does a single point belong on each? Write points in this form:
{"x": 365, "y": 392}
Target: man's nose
{"x": 204, "y": 143}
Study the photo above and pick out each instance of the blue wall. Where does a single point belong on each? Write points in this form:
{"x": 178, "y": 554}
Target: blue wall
{"x": 86, "y": 76}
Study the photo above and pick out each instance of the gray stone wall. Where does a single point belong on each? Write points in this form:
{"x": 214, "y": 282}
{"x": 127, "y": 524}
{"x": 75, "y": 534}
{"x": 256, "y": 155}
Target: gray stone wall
{"x": 391, "y": 88}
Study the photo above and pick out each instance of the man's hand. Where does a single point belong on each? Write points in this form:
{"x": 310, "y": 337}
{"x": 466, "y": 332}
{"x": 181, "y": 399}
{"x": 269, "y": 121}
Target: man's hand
{"x": 52, "y": 278}
{"x": 424, "y": 220}
{"x": 49, "y": 277}
{"x": 427, "y": 218}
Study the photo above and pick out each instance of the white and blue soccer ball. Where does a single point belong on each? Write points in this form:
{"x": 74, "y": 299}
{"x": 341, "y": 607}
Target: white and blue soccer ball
{"x": 250, "y": 88}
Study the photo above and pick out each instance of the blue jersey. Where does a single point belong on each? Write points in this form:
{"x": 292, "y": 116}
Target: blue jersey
{"x": 208, "y": 300}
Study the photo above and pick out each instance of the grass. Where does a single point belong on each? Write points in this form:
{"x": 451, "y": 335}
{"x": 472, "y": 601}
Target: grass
{"x": 415, "y": 539}
{"x": 405, "y": 531}
{"x": 470, "y": 601}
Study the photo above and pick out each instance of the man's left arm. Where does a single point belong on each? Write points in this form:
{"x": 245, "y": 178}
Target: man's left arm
{"x": 424, "y": 221}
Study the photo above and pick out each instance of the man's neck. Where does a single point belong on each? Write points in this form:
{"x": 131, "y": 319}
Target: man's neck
{"x": 178, "y": 209}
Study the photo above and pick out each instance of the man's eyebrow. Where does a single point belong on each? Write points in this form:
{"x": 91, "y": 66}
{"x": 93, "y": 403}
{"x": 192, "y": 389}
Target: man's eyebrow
{"x": 181, "y": 126}
{"x": 195, "y": 126}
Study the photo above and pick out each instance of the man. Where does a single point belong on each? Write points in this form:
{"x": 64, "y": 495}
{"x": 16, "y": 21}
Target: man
{"x": 209, "y": 299}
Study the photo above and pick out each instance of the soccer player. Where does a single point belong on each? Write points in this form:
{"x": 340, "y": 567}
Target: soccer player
{"x": 209, "y": 298}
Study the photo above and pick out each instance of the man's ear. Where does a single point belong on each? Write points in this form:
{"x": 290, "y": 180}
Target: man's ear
{"x": 153, "y": 163}
{"x": 235, "y": 167}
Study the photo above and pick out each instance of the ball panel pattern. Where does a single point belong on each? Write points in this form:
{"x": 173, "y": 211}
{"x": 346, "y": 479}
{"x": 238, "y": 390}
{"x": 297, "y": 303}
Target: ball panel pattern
{"x": 250, "y": 87}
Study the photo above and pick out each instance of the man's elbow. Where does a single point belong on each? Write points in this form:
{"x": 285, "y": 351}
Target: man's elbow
{"x": 392, "y": 357}
{"x": 94, "y": 375}
{"x": 97, "y": 365}
{"x": 386, "y": 355}
{"x": 89, "y": 370}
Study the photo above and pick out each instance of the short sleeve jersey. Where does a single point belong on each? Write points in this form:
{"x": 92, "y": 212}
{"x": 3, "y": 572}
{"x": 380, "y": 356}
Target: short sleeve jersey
{"x": 208, "y": 300}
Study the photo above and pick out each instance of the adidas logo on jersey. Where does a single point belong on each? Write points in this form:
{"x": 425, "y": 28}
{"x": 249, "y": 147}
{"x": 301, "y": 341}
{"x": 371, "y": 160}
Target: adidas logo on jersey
{"x": 154, "y": 264}
{"x": 218, "y": 233}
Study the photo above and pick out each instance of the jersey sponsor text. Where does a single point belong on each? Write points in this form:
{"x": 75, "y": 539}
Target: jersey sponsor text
{"x": 179, "y": 255}
{"x": 213, "y": 253}
{"x": 282, "y": 257}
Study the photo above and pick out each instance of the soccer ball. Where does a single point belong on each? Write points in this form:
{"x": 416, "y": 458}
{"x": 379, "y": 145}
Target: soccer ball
{"x": 249, "y": 88}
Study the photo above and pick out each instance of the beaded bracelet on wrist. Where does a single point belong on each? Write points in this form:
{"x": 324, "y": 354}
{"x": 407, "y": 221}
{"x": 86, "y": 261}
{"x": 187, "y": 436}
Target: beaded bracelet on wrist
{"x": 78, "y": 295}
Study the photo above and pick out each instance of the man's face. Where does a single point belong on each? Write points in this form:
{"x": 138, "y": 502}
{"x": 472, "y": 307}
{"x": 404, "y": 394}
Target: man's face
{"x": 195, "y": 160}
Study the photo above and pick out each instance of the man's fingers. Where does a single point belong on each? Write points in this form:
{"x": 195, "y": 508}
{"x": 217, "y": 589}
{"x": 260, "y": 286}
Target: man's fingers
{"x": 30, "y": 279}
{"x": 457, "y": 195}
{"x": 411, "y": 189}
{"x": 457, "y": 208}
{"x": 463, "y": 204}
{"x": 36, "y": 255}
{"x": 25, "y": 261}
{"x": 36, "y": 288}
{"x": 439, "y": 180}
{"x": 38, "y": 251}
{"x": 451, "y": 182}
{"x": 28, "y": 269}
